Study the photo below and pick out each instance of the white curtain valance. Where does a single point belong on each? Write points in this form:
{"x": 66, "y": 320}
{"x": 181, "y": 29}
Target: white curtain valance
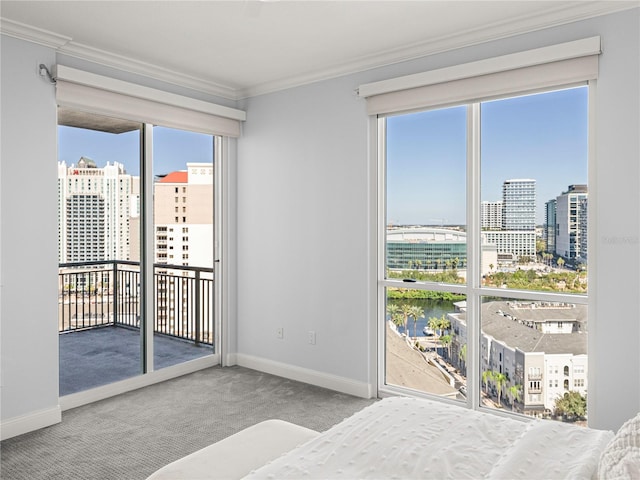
{"x": 78, "y": 90}
{"x": 523, "y": 72}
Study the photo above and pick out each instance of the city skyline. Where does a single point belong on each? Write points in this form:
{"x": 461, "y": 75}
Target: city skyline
{"x": 172, "y": 148}
{"x": 541, "y": 137}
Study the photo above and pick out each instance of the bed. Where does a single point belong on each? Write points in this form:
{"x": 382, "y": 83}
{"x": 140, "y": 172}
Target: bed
{"x": 405, "y": 438}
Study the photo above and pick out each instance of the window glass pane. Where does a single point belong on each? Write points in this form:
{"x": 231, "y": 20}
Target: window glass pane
{"x": 425, "y": 192}
{"x": 183, "y": 231}
{"x": 99, "y": 250}
{"x": 534, "y": 357}
{"x": 534, "y": 191}
{"x": 425, "y": 344}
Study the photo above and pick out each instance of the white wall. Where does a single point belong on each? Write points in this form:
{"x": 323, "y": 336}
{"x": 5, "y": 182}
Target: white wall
{"x": 305, "y": 252}
{"x": 28, "y": 240}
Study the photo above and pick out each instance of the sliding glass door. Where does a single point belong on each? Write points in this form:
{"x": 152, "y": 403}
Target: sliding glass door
{"x": 136, "y": 281}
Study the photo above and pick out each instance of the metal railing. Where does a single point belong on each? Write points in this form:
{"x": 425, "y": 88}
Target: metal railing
{"x": 100, "y": 293}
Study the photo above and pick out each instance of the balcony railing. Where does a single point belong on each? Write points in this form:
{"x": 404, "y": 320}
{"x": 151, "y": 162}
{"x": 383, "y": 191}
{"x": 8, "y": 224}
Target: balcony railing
{"x": 101, "y": 293}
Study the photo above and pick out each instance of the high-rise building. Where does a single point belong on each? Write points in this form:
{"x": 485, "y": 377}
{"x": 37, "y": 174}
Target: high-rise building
{"x": 183, "y": 212}
{"x": 583, "y": 206}
{"x": 510, "y": 224}
{"x": 491, "y": 215}
{"x": 94, "y": 208}
{"x": 550, "y": 226}
{"x": 571, "y": 210}
{"x": 183, "y": 216}
{"x": 519, "y": 204}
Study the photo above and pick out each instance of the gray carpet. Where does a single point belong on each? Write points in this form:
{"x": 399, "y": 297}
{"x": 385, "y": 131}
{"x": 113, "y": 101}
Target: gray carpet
{"x": 130, "y": 436}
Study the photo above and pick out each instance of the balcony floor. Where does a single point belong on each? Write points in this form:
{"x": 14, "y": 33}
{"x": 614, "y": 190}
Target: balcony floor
{"x": 99, "y": 356}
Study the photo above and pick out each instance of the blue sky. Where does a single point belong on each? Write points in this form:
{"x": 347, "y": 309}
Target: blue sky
{"x": 542, "y": 136}
{"x": 172, "y": 149}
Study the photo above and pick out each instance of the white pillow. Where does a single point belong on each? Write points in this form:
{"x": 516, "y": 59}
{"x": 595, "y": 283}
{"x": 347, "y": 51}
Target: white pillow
{"x": 621, "y": 458}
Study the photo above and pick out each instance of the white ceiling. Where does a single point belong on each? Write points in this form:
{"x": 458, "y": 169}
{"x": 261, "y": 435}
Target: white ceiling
{"x": 243, "y": 48}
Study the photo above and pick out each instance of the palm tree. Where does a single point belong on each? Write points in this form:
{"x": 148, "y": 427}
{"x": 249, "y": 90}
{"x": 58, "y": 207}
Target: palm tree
{"x": 486, "y": 376}
{"x": 393, "y": 310}
{"x": 499, "y": 379}
{"x": 443, "y": 324}
{"x": 462, "y": 357}
{"x": 560, "y": 262}
{"x": 405, "y": 310}
{"x": 416, "y": 312}
{"x": 445, "y": 340}
{"x": 514, "y": 394}
{"x": 490, "y": 266}
{"x": 455, "y": 262}
{"x": 433, "y": 323}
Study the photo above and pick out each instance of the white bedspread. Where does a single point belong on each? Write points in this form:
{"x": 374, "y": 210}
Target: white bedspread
{"x": 402, "y": 438}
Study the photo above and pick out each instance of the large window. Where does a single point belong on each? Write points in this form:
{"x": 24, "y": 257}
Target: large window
{"x": 484, "y": 249}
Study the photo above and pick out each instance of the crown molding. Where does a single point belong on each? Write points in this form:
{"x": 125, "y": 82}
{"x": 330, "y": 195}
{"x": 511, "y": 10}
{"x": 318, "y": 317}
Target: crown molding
{"x": 32, "y": 34}
{"x": 553, "y": 17}
{"x": 65, "y": 45}
{"x": 156, "y": 72}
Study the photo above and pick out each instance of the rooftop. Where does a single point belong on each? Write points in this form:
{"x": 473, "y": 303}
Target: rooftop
{"x": 180, "y": 176}
{"x": 506, "y": 322}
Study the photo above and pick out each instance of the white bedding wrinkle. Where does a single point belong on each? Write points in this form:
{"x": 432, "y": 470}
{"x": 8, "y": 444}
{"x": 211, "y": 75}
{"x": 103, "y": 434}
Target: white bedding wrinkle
{"x": 406, "y": 438}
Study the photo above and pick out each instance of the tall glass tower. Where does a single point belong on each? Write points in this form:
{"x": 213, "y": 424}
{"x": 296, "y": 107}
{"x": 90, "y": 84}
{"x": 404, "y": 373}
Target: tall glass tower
{"x": 519, "y": 204}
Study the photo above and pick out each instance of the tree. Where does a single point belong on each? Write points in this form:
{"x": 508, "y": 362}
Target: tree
{"x": 499, "y": 379}
{"x": 405, "y": 310}
{"x": 515, "y": 395}
{"x": 571, "y": 405}
{"x": 446, "y": 340}
{"x": 490, "y": 266}
{"x": 455, "y": 262}
{"x": 560, "y": 262}
{"x": 443, "y": 324}
{"x": 433, "y": 323}
{"x": 462, "y": 358}
{"x": 393, "y": 310}
{"x": 487, "y": 375}
{"x": 416, "y": 312}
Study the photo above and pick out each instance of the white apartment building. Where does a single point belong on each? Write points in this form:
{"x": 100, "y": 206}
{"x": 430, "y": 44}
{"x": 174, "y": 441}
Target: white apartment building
{"x": 516, "y": 244}
{"x": 540, "y": 346}
{"x": 183, "y": 207}
{"x": 491, "y": 215}
{"x": 183, "y": 217}
{"x": 94, "y": 210}
{"x": 570, "y": 216}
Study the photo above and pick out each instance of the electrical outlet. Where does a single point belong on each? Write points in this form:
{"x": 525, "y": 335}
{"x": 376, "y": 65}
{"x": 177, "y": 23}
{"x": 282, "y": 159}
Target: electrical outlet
{"x": 311, "y": 338}
{"x": 280, "y": 333}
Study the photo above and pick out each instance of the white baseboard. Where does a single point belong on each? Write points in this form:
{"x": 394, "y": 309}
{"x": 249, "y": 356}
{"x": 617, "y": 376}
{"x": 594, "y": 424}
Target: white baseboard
{"x": 27, "y": 423}
{"x": 100, "y": 393}
{"x": 231, "y": 359}
{"x": 313, "y": 377}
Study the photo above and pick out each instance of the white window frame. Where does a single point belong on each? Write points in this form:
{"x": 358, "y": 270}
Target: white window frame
{"x": 473, "y": 289}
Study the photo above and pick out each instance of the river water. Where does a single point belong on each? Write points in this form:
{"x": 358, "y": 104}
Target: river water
{"x": 431, "y": 308}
